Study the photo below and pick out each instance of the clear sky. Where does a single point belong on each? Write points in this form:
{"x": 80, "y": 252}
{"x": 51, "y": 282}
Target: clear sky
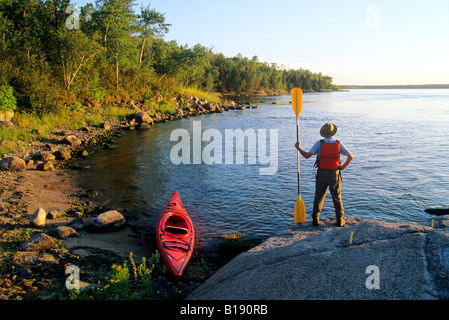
{"x": 353, "y": 41}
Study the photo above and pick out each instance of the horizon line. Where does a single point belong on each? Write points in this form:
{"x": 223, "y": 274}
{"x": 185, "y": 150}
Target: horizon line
{"x": 396, "y": 85}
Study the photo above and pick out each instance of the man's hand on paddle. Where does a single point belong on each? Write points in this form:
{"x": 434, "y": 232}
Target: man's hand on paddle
{"x": 305, "y": 154}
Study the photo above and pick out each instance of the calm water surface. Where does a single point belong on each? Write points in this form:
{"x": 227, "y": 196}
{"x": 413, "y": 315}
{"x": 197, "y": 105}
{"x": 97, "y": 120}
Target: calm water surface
{"x": 399, "y": 139}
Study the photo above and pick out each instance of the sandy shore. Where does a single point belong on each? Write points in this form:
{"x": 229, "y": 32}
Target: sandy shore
{"x": 21, "y": 194}
{"x": 60, "y": 190}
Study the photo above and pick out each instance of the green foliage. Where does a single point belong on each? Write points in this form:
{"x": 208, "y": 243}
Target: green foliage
{"x": 127, "y": 281}
{"x": 117, "y": 55}
{"x": 240, "y": 74}
{"x": 7, "y": 100}
{"x": 201, "y": 94}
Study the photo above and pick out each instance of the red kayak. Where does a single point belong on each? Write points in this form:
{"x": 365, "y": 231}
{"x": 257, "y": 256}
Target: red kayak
{"x": 175, "y": 236}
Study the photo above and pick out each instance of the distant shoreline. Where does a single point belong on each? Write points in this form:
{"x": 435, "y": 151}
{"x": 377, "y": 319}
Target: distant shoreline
{"x": 419, "y": 86}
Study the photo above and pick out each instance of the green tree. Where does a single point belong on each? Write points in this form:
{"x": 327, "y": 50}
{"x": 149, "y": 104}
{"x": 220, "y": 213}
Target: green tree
{"x": 5, "y": 26}
{"x": 7, "y": 100}
{"x": 77, "y": 52}
{"x": 26, "y": 25}
{"x": 116, "y": 21}
{"x": 152, "y": 24}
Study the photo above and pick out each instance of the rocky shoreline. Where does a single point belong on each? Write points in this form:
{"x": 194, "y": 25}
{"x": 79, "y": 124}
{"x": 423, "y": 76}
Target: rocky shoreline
{"x": 365, "y": 260}
{"x": 48, "y": 222}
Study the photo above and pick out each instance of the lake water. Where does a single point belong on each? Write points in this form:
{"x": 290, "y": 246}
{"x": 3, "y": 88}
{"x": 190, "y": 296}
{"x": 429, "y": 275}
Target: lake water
{"x": 399, "y": 139}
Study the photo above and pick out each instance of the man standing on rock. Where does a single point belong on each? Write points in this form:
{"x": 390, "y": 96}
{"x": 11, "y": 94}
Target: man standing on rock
{"x": 329, "y": 166}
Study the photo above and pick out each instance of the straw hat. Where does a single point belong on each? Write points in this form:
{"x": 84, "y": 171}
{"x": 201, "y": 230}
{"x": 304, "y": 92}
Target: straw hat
{"x": 328, "y": 130}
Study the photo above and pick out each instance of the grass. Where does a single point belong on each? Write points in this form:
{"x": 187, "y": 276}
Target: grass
{"x": 29, "y": 127}
{"x": 166, "y": 107}
{"x": 209, "y": 96}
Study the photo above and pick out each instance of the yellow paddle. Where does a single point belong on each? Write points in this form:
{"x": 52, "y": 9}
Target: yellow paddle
{"x": 300, "y": 208}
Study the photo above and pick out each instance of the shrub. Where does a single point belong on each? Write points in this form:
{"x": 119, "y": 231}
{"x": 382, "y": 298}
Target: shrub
{"x": 128, "y": 281}
{"x": 7, "y": 100}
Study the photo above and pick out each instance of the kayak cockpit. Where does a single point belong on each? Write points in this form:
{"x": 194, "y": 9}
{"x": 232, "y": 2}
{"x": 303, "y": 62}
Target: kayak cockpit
{"x": 176, "y": 230}
{"x": 176, "y": 225}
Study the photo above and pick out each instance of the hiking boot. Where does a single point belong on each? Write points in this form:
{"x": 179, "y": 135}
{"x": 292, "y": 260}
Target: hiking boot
{"x": 316, "y": 222}
{"x": 340, "y": 222}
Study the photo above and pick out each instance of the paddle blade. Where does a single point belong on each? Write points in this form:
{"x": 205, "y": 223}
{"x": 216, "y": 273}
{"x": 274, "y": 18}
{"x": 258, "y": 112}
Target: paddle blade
{"x": 300, "y": 211}
{"x": 297, "y": 101}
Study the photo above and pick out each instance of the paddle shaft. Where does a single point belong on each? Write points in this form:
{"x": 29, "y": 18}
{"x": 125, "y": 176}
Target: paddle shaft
{"x": 297, "y": 139}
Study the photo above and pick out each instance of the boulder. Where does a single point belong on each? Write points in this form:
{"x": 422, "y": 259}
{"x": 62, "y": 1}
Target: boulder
{"x": 158, "y": 117}
{"x": 106, "y": 125}
{"x": 55, "y": 214}
{"x": 77, "y": 212}
{"x": 143, "y": 117}
{"x": 45, "y": 166}
{"x": 62, "y": 155}
{"x": 365, "y": 260}
{"x": 210, "y": 107}
{"x": 189, "y": 111}
{"x": 107, "y": 221}
{"x": 37, "y": 219}
{"x": 62, "y": 232}
{"x": 144, "y": 126}
{"x": 71, "y": 140}
{"x": 44, "y": 156}
{"x": 179, "y": 113}
{"x": 132, "y": 122}
{"x": 26, "y": 259}
{"x": 51, "y": 147}
{"x": 6, "y": 116}
{"x": 77, "y": 223}
{"x": 438, "y": 211}
{"x": 6, "y": 124}
{"x": 39, "y": 242}
{"x": 13, "y": 164}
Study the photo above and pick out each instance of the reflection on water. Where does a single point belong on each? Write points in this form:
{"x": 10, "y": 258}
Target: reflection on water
{"x": 398, "y": 138}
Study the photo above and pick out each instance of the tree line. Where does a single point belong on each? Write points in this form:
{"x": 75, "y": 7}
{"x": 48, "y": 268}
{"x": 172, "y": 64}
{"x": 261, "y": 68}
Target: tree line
{"x": 54, "y": 54}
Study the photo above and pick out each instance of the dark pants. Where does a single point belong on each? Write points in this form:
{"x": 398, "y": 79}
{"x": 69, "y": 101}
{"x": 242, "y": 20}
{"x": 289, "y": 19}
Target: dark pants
{"x": 328, "y": 179}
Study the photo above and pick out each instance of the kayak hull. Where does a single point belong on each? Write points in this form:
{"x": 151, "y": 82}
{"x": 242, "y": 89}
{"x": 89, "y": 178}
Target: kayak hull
{"x": 175, "y": 236}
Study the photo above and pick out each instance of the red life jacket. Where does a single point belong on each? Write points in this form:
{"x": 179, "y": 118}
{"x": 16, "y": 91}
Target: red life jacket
{"x": 329, "y": 158}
